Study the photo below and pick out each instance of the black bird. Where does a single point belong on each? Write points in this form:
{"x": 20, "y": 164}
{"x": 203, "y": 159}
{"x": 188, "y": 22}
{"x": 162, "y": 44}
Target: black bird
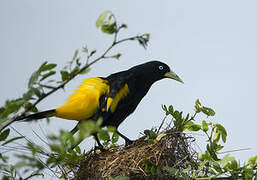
{"x": 113, "y": 98}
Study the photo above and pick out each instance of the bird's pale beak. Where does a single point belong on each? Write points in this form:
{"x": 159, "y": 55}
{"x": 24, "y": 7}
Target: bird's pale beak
{"x": 173, "y": 75}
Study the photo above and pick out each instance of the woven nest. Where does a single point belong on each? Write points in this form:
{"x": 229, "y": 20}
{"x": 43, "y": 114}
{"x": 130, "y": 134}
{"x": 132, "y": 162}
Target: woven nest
{"x": 172, "y": 150}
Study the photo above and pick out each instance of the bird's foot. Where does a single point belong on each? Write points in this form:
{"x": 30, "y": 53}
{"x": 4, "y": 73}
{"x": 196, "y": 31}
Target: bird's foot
{"x": 128, "y": 142}
{"x": 101, "y": 148}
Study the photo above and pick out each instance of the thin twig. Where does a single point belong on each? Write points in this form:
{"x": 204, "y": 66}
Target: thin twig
{"x": 32, "y": 175}
{"x": 224, "y": 152}
{"x": 161, "y": 124}
{"x": 180, "y": 161}
{"x": 40, "y": 137}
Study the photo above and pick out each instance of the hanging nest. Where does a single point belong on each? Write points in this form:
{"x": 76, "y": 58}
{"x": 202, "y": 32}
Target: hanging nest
{"x": 142, "y": 159}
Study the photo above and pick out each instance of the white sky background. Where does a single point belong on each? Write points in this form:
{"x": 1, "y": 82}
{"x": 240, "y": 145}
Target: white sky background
{"x": 211, "y": 45}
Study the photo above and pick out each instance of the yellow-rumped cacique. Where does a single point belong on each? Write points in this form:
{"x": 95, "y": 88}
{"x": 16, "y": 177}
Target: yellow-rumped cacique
{"x": 113, "y": 98}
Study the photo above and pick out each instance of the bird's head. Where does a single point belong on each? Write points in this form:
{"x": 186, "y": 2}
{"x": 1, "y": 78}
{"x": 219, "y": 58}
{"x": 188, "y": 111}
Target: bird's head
{"x": 156, "y": 70}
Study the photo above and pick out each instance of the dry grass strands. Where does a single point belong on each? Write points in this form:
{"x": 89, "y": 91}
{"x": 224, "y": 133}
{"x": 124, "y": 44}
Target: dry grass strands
{"x": 172, "y": 150}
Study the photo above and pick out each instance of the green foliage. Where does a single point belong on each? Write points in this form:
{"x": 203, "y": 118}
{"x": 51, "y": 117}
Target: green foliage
{"x": 62, "y": 150}
{"x": 210, "y": 165}
{"x": 4, "y": 134}
{"x": 108, "y": 136}
{"x": 107, "y": 23}
{"x": 143, "y": 40}
{"x": 120, "y": 178}
{"x": 177, "y": 173}
{"x": 43, "y": 83}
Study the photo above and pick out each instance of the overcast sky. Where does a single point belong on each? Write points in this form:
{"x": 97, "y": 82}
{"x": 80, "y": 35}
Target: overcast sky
{"x": 211, "y": 45}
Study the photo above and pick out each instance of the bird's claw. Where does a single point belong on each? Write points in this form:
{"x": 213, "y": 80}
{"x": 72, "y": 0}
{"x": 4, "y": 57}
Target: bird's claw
{"x": 101, "y": 148}
{"x": 128, "y": 142}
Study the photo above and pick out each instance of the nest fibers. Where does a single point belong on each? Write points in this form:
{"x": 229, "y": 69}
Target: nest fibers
{"x": 172, "y": 150}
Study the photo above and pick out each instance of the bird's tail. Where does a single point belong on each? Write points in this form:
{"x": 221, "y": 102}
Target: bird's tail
{"x": 40, "y": 115}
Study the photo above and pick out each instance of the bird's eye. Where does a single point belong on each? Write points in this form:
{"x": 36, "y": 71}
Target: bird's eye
{"x": 161, "y": 67}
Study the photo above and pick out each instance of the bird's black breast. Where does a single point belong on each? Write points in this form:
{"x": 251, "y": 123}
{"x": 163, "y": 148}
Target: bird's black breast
{"x": 137, "y": 90}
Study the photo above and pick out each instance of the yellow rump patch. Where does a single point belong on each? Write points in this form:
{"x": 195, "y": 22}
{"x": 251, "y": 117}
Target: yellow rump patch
{"x": 113, "y": 102}
{"x": 84, "y": 102}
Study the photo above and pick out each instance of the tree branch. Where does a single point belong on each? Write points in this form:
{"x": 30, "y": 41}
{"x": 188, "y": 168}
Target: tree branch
{"x": 87, "y": 65}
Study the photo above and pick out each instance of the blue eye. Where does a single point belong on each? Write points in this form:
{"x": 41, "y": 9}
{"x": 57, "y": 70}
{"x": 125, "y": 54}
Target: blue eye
{"x": 161, "y": 67}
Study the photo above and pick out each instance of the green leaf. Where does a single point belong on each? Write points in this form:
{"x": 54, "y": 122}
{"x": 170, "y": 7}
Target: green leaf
{"x": 217, "y": 167}
{"x": 109, "y": 28}
{"x": 115, "y": 138}
{"x": 150, "y": 134}
{"x": 197, "y": 106}
{"x": 171, "y": 170}
{"x": 74, "y": 71}
{"x": 44, "y": 76}
{"x": 171, "y": 109}
{"x": 101, "y": 19}
{"x": 160, "y": 136}
{"x": 56, "y": 148}
{"x": 151, "y": 141}
{"x": 152, "y": 170}
{"x": 99, "y": 122}
{"x": 34, "y": 148}
{"x": 201, "y": 156}
{"x": 36, "y": 91}
{"x": 103, "y": 135}
{"x": 77, "y": 148}
{"x": 253, "y": 160}
{"x": 177, "y": 115}
{"x": 11, "y": 140}
{"x": 28, "y": 95}
{"x": 29, "y": 105}
{"x": 164, "y": 107}
{"x": 146, "y": 36}
{"x": 147, "y": 168}
{"x": 226, "y": 159}
{"x": 4, "y": 134}
{"x": 75, "y": 55}
{"x": 42, "y": 65}
{"x": 117, "y": 56}
{"x": 11, "y": 106}
{"x": 47, "y": 67}
{"x": 159, "y": 172}
{"x": 195, "y": 127}
{"x": 219, "y": 147}
{"x": 143, "y": 40}
{"x": 33, "y": 79}
{"x": 233, "y": 164}
{"x": 192, "y": 126}
{"x": 205, "y": 126}
{"x": 224, "y": 137}
{"x": 5, "y": 178}
{"x": 112, "y": 129}
{"x": 216, "y": 136}
{"x": 223, "y": 132}
{"x": 119, "y": 178}
{"x": 65, "y": 75}
{"x": 208, "y": 111}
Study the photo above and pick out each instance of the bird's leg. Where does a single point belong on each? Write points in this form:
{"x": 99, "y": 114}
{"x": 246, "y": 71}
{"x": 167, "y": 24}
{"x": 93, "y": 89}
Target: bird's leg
{"x": 127, "y": 140}
{"x": 73, "y": 131}
{"x": 100, "y": 146}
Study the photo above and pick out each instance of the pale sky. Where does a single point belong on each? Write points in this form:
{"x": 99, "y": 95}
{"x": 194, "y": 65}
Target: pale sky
{"x": 211, "y": 45}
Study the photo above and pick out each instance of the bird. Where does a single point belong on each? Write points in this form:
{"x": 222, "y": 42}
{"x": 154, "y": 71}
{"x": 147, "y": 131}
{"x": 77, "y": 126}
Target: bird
{"x": 112, "y": 98}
